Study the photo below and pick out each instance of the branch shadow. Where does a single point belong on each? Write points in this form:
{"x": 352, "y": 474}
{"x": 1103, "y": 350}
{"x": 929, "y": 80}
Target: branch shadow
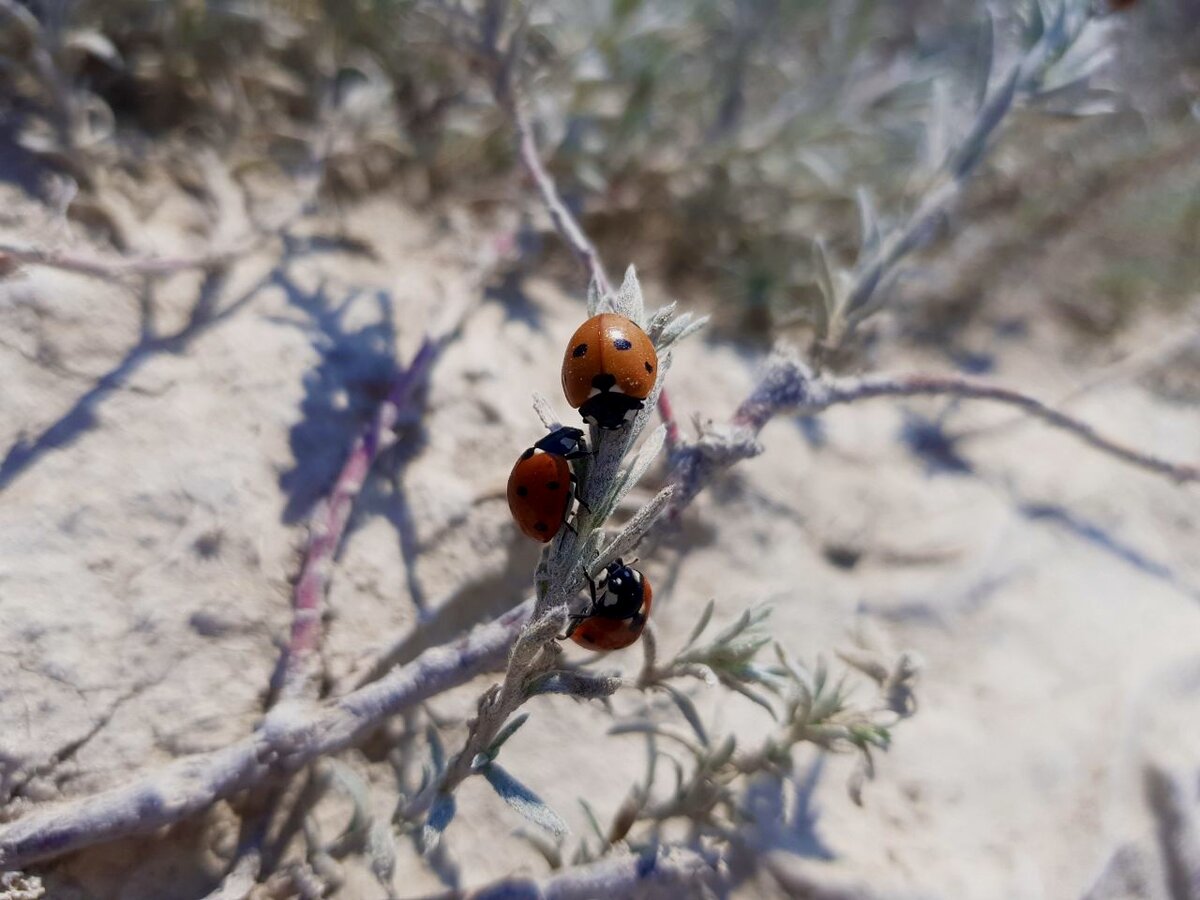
{"x": 205, "y": 314}
{"x": 81, "y": 417}
{"x": 341, "y": 392}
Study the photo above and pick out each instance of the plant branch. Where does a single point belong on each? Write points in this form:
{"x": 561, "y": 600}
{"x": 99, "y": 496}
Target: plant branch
{"x": 787, "y": 386}
{"x": 675, "y": 872}
{"x": 291, "y": 736}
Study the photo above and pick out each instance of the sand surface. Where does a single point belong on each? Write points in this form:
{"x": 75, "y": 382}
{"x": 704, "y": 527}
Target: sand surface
{"x": 153, "y": 505}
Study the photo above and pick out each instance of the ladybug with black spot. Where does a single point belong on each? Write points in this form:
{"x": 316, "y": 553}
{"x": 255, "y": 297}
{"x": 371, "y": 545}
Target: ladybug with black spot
{"x": 609, "y": 368}
{"x": 617, "y": 615}
{"x": 542, "y": 484}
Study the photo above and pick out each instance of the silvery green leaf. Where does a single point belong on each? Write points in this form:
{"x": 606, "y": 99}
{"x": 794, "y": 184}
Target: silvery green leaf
{"x": 748, "y": 619}
{"x": 793, "y": 668}
{"x": 680, "y": 329}
{"x": 821, "y": 167}
{"x": 94, "y": 44}
{"x": 643, "y": 726}
{"x": 659, "y": 321}
{"x": 688, "y": 709}
{"x": 595, "y": 298}
{"x": 575, "y": 684}
{"x": 437, "y": 753}
{"x": 724, "y": 753}
{"x": 868, "y": 223}
{"x": 545, "y": 411}
{"x": 701, "y": 624}
{"x": 1035, "y": 27}
{"x": 628, "y": 301}
{"x": 440, "y": 815}
{"x": 523, "y": 800}
{"x": 633, "y": 473}
{"x": 825, "y": 280}
{"x": 355, "y": 788}
{"x": 986, "y": 56}
{"x": 551, "y": 850}
{"x": 381, "y": 852}
{"x": 505, "y": 733}
{"x": 632, "y": 533}
{"x": 751, "y": 695}
{"x": 938, "y": 133}
{"x": 593, "y": 821}
{"x": 970, "y": 152}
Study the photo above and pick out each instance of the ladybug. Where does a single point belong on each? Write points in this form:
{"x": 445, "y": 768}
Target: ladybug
{"x": 541, "y": 484}
{"x": 609, "y": 368}
{"x": 617, "y": 614}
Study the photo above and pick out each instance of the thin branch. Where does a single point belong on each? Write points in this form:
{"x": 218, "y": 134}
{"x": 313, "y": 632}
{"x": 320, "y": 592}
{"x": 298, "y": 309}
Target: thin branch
{"x": 849, "y": 390}
{"x": 568, "y": 227}
{"x": 787, "y": 386}
{"x": 290, "y": 737}
{"x": 679, "y": 871}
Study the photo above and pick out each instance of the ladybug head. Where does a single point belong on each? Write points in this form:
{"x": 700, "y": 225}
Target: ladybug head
{"x": 622, "y": 580}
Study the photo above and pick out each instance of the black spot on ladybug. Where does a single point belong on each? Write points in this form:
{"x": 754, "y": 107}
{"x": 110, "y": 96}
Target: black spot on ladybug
{"x": 579, "y": 351}
{"x": 604, "y": 381}
{"x": 528, "y": 453}
{"x": 522, "y": 491}
{"x": 541, "y": 526}
{"x": 622, "y": 344}
{"x": 649, "y": 368}
{"x": 552, "y": 485}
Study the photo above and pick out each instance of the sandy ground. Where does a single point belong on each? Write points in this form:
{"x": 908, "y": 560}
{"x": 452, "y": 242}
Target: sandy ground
{"x": 152, "y": 504}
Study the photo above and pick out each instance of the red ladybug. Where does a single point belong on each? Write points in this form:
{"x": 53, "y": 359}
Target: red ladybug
{"x": 617, "y": 614}
{"x": 609, "y": 368}
{"x": 541, "y": 484}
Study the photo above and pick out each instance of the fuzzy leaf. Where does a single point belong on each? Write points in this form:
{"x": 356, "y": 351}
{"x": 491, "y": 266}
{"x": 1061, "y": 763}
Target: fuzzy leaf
{"x": 595, "y": 297}
{"x": 971, "y": 151}
{"x": 631, "y": 534}
{"x": 825, "y": 280}
{"x": 659, "y": 321}
{"x": 680, "y": 329}
{"x": 632, "y": 474}
{"x": 986, "y": 55}
{"x": 505, "y": 733}
{"x": 684, "y": 702}
{"x": 94, "y": 44}
{"x": 628, "y": 301}
{"x": 593, "y": 821}
{"x": 437, "y": 753}
{"x": 701, "y": 624}
{"x": 575, "y": 684}
{"x": 868, "y": 224}
{"x": 440, "y": 815}
{"x": 545, "y": 412}
{"x": 523, "y": 800}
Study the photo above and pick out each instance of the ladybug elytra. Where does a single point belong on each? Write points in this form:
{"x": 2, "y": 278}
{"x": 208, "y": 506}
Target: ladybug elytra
{"x": 609, "y": 368}
{"x": 541, "y": 484}
{"x": 617, "y": 614}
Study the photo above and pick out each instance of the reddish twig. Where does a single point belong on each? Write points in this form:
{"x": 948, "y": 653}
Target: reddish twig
{"x": 329, "y": 522}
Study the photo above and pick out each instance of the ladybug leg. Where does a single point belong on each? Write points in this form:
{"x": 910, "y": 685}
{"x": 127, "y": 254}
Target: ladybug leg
{"x": 572, "y": 623}
{"x": 578, "y": 498}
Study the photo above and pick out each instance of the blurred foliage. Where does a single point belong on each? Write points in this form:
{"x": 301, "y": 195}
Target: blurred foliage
{"x": 722, "y": 135}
